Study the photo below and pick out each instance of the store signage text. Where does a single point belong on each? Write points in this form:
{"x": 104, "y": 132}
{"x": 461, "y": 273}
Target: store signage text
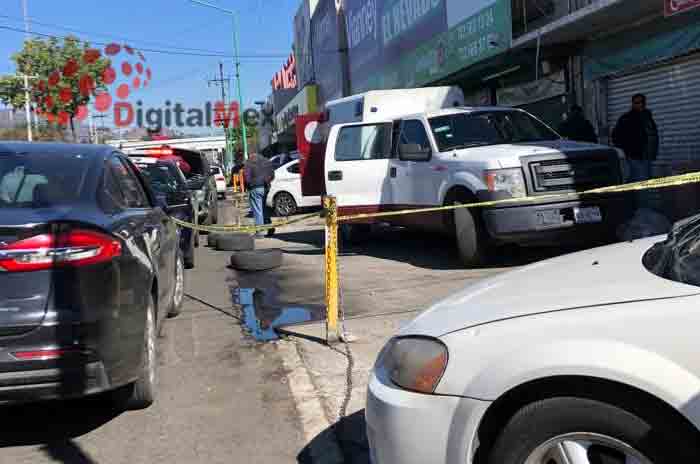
{"x": 404, "y": 14}
{"x": 362, "y": 23}
{"x": 287, "y": 77}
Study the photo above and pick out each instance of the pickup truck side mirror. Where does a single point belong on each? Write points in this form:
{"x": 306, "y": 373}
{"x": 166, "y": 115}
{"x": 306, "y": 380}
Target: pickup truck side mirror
{"x": 414, "y": 152}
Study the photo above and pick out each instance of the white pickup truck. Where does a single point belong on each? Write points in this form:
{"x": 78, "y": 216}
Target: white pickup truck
{"x": 392, "y": 159}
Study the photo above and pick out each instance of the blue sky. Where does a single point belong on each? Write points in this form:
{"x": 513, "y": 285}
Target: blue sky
{"x": 265, "y": 28}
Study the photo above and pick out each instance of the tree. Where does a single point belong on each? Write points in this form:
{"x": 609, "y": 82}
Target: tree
{"x": 12, "y": 91}
{"x": 67, "y": 73}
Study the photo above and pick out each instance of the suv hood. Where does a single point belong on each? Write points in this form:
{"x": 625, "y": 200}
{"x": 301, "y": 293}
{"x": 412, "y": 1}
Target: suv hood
{"x": 508, "y": 155}
{"x": 597, "y": 277}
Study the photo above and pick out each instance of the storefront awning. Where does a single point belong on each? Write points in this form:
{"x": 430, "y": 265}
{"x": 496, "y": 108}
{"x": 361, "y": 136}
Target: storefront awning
{"x": 604, "y": 16}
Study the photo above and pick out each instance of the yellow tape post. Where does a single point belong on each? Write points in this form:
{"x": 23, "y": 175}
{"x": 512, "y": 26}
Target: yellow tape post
{"x": 331, "y": 271}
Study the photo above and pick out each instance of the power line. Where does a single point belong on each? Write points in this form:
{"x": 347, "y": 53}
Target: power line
{"x": 174, "y": 49}
{"x": 258, "y": 57}
{"x": 112, "y": 37}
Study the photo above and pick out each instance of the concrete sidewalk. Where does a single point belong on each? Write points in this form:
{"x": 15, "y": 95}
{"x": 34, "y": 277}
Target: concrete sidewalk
{"x": 385, "y": 283}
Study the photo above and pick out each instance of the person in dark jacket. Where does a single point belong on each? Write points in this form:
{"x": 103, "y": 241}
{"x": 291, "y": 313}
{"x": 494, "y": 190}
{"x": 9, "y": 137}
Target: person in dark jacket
{"x": 259, "y": 172}
{"x": 637, "y": 135}
{"x": 577, "y": 127}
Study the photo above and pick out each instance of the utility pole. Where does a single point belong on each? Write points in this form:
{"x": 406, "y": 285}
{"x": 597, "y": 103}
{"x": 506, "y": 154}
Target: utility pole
{"x": 99, "y": 132}
{"x": 244, "y": 131}
{"x": 27, "y": 105}
{"x": 237, "y": 62}
{"x": 225, "y": 82}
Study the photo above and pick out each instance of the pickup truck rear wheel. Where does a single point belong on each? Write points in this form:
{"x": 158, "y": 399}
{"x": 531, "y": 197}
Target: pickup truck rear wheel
{"x": 470, "y": 238}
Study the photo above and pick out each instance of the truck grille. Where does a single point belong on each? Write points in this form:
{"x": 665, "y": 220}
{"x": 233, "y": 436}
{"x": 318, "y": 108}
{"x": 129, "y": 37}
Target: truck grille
{"x": 573, "y": 174}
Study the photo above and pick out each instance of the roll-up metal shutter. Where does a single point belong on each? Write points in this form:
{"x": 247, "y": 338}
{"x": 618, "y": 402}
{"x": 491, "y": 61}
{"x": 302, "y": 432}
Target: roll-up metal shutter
{"x": 673, "y": 96}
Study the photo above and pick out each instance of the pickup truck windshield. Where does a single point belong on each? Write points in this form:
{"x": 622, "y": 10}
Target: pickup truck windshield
{"x": 465, "y": 130}
{"x": 678, "y": 257}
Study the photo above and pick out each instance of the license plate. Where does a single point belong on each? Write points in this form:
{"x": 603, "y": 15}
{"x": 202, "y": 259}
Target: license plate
{"x": 549, "y": 217}
{"x": 587, "y": 215}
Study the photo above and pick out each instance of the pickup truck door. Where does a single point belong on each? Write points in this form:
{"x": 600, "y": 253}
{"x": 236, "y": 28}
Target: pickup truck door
{"x": 357, "y": 167}
{"x": 415, "y": 181}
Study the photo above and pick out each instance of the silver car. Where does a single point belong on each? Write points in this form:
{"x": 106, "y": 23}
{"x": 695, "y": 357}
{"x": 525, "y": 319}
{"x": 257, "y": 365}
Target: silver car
{"x": 583, "y": 359}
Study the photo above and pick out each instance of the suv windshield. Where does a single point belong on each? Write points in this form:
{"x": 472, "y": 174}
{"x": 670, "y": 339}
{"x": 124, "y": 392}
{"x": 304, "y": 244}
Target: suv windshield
{"x": 38, "y": 181}
{"x": 465, "y": 130}
{"x": 678, "y": 257}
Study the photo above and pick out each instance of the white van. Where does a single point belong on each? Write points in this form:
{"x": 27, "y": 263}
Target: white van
{"x": 444, "y": 155}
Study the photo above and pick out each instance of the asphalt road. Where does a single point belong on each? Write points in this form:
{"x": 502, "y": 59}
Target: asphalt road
{"x": 222, "y": 398}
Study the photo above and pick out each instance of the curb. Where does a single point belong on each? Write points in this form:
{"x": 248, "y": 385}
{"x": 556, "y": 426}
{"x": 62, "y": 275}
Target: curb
{"x": 317, "y": 430}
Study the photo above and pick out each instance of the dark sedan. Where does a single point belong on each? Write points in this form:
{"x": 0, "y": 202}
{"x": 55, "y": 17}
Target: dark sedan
{"x": 89, "y": 268}
{"x": 170, "y": 186}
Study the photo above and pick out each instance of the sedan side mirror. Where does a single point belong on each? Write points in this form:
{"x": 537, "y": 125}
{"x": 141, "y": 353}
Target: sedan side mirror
{"x": 414, "y": 152}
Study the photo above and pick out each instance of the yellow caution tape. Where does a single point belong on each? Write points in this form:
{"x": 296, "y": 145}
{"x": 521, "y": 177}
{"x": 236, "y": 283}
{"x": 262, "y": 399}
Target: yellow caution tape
{"x": 230, "y": 229}
{"x": 664, "y": 182}
{"x": 671, "y": 181}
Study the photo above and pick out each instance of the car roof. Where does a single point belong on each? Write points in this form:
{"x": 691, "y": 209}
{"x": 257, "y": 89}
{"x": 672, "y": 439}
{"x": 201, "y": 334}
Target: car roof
{"x": 54, "y": 148}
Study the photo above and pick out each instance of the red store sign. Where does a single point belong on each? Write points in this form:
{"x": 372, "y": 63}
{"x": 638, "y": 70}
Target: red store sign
{"x": 672, "y": 7}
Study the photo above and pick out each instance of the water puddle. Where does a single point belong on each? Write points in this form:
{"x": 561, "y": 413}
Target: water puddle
{"x": 262, "y": 320}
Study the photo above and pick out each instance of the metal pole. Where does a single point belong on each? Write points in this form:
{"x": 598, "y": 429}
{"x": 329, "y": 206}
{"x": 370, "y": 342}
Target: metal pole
{"x": 333, "y": 334}
{"x": 244, "y": 130}
{"x": 238, "y": 67}
{"x": 27, "y": 105}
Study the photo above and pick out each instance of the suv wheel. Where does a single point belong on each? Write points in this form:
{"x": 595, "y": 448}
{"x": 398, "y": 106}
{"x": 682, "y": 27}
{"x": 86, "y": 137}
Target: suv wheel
{"x": 570, "y": 430}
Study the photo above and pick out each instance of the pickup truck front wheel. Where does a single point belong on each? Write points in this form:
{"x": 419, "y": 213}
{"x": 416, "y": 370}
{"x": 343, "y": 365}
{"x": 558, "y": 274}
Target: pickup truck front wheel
{"x": 471, "y": 242}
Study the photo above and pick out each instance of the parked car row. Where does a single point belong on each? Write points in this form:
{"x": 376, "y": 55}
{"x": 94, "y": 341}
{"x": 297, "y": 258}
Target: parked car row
{"x": 91, "y": 265}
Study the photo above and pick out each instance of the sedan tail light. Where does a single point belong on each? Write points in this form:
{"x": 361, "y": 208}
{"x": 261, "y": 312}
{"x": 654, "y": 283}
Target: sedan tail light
{"x": 221, "y": 178}
{"x": 46, "y": 251}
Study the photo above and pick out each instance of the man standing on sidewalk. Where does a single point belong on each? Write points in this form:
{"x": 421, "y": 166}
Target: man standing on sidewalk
{"x": 637, "y": 135}
{"x": 259, "y": 172}
{"x": 577, "y": 127}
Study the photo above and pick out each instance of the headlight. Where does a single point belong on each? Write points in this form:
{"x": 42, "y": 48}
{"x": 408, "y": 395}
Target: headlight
{"x": 414, "y": 363}
{"x": 507, "y": 180}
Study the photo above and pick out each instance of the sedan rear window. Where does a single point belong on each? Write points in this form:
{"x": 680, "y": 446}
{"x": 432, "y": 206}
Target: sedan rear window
{"x": 39, "y": 181}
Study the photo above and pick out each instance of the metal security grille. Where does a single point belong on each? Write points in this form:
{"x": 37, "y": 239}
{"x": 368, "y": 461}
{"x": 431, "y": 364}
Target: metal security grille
{"x": 673, "y": 94}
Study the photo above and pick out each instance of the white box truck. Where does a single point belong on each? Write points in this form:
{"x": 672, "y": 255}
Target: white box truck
{"x": 417, "y": 148}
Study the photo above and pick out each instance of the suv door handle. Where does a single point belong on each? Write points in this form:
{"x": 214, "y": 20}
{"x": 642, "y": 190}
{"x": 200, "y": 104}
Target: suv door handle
{"x": 335, "y": 175}
{"x": 392, "y": 172}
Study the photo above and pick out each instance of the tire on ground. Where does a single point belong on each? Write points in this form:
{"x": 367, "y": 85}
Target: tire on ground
{"x": 235, "y": 242}
{"x": 259, "y": 260}
{"x": 212, "y": 239}
{"x": 470, "y": 239}
{"x": 649, "y": 431}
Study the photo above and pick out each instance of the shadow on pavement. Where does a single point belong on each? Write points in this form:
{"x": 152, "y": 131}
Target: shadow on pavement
{"x": 54, "y": 425}
{"x": 67, "y": 451}
{"x": 351, "y": 436}
{"x": 411, "y": 246}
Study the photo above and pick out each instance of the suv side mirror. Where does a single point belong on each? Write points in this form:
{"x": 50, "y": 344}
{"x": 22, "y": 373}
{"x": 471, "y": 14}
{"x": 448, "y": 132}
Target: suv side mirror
{"x": 213, "y": 171}
{"x": 414, "y": 152}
